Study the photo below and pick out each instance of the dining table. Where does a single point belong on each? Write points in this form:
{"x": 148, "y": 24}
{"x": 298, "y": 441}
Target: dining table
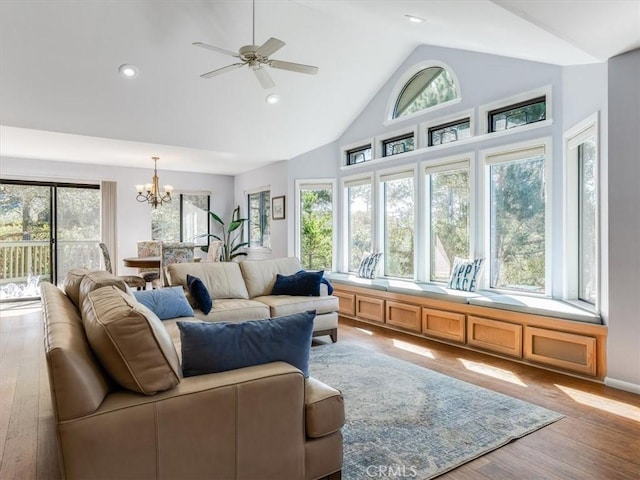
{"x": 146, "y": 262}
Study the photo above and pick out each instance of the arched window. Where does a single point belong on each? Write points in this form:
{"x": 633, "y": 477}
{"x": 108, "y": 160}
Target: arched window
{"x": 429, "y": 87}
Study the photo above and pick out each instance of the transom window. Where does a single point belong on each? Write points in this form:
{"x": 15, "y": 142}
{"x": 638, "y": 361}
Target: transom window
{"x": 518, "y": 114}
{"x": 449, "y": 132}
{"x": 396, "y": 145}
{"x": 359, "y": 154}
{"x": 427, "y": 88}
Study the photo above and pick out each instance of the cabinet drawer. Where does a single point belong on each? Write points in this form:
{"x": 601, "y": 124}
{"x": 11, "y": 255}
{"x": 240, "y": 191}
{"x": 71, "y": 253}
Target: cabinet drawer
{"x": 403, "y": 315}
{"x": 496, "y": 336}
{"x": 346, "y": 303}
{"x": 370, "y": 308}
{"x": 445, "y": 325}
{"x": 559, "y": 349}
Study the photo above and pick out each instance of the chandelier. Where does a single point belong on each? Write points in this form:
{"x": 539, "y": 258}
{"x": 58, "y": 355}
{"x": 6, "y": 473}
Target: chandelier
{"x": 151, "y": 191}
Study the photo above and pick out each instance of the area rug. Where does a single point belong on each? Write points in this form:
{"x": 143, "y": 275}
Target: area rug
{"x": 406, "y": 421}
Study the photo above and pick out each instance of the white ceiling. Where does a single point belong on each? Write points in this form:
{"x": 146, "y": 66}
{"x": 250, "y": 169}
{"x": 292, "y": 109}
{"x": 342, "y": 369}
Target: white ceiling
{"x": 61, "y": 97}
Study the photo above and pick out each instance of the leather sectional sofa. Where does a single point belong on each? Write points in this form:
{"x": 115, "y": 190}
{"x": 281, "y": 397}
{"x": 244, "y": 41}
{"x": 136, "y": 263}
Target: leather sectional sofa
{"x": 123, "y": 409}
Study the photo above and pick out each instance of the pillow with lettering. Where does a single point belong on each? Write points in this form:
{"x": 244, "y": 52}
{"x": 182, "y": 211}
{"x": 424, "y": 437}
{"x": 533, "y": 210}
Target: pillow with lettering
{"x": 465, "y": 274}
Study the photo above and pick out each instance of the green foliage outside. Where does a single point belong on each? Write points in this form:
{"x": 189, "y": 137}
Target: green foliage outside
{"x": 399, "y": 235}
{"x": 360, "y": 226}
{"x": 316, "y": 229}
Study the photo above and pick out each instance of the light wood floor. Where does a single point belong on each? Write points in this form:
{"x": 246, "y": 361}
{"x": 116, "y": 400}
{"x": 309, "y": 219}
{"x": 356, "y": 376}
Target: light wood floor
{"x": 598, "y": 439}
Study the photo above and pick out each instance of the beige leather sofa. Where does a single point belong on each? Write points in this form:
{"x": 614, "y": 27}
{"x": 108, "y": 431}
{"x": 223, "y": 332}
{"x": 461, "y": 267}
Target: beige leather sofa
{"x": 242, "y": 291}
{"x": 123, "y": 409}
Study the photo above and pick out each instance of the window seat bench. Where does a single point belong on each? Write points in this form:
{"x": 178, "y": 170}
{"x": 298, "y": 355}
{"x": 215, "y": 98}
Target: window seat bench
{"x": 544, "y": 332}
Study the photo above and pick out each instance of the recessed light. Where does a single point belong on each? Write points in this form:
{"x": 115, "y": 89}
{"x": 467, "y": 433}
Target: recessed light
{"x": 414, "y": 19}
{"x": 272, "y": 98}
{"x": 128, "y": 71}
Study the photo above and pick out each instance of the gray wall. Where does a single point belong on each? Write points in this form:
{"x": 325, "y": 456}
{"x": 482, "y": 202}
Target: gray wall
{"x": 624, "y": 221}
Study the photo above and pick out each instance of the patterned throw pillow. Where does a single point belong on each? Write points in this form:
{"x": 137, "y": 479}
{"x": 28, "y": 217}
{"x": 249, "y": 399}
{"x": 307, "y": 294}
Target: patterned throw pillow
{"x": 465, "y": 273}
{"x": 369, "y": 265}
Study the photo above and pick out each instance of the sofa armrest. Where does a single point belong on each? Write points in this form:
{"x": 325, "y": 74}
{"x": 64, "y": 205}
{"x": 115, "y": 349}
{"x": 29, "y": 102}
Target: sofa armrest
{"x": 221, "y": 425}
{"x": 324, "y": 409}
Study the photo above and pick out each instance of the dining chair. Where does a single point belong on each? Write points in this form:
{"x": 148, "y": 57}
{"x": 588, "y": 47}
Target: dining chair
{"x": 149, "y": 248}
{"x": 170, "y": 253}
{"x": 134, "y": 281}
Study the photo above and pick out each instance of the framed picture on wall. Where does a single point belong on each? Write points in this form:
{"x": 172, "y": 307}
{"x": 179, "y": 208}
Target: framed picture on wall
{"x": 277, "y": 208}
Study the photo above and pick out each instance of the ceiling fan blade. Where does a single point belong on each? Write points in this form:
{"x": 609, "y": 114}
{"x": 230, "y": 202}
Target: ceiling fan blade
{"x": 270, "y": 46}
{"x": 264, "y": 78}
{"x": 294, "y": 67}
{"x": 219, "y": 71}
{"x": 215, "y": 49}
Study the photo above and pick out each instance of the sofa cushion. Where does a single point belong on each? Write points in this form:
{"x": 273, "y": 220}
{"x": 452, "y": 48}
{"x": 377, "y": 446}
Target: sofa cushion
{"x": 222, "y": 279}
{"x": 199, "y": 293}
{"x": 301, "y": 283}
{"x": 286, "y": 304}
{"x": 260, "y": 275}
{"x": 130, "y": 341}
{"x": 221, "y": 346}
{"x": 323, "y": 408}
{"x": 166, "y": 303}
{"x": 100, "y": 278}
{"x": 72, "y": 282}
{"x": 234, "y": 310}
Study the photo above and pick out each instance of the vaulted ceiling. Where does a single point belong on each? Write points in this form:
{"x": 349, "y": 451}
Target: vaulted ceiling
{"x": 62, "y": 98}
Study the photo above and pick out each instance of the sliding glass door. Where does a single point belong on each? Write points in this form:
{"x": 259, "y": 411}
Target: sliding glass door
{"x": 45, "y": 230}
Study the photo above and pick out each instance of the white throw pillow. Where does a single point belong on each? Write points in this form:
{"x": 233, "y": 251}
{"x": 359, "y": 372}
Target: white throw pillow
{"x": 465, "y": 274}
{"x": 369, "y": 265}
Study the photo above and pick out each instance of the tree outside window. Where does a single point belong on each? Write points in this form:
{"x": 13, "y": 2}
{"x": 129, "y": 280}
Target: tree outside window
{"x": 359, "y": 221}
{"x": 398, "y": 227}
{"x": 316, "y": 227}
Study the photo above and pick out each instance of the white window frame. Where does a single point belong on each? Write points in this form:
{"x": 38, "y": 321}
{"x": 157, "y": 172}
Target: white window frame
{"x": 299, "y": 185}
{"x": 342, "y": 163}
{"x": 576, "y": 135}
{"x": 425, "y": 126}
{"x": 264, "y": 188}
{"x": 512, "y": 152}
{"x": 177, "y": 196}
{"x": 381, "y": 176}
{"x": 402, "y": 82}
{"x": 345, "y": 241}
{"x": 453, "y": 163}
{"x": 483, "y": 111}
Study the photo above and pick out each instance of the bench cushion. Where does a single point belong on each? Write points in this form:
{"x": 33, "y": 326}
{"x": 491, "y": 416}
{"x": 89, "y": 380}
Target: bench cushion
{"x": 287, "y": 304}
{"x": 430, "y": 290}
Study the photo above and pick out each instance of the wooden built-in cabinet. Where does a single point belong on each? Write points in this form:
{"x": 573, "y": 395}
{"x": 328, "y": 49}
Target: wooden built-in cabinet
{"x": 553, "y": 343}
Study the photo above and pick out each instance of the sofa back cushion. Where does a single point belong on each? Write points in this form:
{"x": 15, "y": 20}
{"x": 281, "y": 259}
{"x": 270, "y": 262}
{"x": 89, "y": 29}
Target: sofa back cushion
{"x": 77, "y": 381}
{"x": 98, "y": 279}
{"x": 72, "y": 282}
{"x": 130, "y": 341}
{"x": 260, "y": 275}
{"x": 222, "y": 279}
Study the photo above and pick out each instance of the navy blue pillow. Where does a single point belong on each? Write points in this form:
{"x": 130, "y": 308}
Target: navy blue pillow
{"x": 325, "y": 281}
{"x": 301, "y": 283}
{"x": 200, "y": 294}
{"x": 165, "y": 302}
{"x": 209, "y": 347}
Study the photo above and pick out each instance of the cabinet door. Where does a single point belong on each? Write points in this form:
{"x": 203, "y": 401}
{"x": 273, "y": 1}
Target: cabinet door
{"x": 445, "y": 325}
{"x": 494, "y": 335}
{"x": 346, "y": 303}
{"x": 559, "y": 349}
{"x": 370, "y": 308}
{"x": 403, "y": 315}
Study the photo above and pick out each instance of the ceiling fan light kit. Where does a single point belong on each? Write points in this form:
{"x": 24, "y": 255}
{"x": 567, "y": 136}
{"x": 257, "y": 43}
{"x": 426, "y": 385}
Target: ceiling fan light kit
{"x": 257, "y": 57}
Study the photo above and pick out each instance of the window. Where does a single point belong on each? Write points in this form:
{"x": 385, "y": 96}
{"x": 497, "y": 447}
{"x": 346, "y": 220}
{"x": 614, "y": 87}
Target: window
{"x": 582, "y": 225}
{"x": 517, "y": 215}
{"x": 449, "y": 132}
{"x": 429, "y": 87}
{"x": 259, "y": 214}
{"x": 359, "y": 154}
{"x": 448, "y": 198}
{"x": 398, "y": 215}
{"x": 184, "y": 219}
{"x": 315, "y": 236}
{"x": 522, "y": 113}
{"x": 359, "y": 195}
{"x": 396, "y": 145}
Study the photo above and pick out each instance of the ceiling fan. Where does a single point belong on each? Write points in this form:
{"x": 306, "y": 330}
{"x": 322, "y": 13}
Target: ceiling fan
{"x": 257, "y": 57}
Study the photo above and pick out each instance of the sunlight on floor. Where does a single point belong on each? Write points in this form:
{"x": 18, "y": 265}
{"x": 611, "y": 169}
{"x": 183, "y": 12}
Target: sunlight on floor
{"x": 409, "y": 347}
{"x": 602, "y": 403}
{"x": 362, "y": 330}
{"x": 16, "y": 309}
{"x": 493, "y": 372}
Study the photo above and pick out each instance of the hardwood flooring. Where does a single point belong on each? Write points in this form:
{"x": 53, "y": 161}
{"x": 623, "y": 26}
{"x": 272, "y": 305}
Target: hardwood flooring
{"x": 598, "y": 439}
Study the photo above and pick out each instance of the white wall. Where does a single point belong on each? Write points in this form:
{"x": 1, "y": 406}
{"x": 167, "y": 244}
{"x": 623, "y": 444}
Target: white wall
{"x": 623, "y": 349}
{"x": 134, "y": 218}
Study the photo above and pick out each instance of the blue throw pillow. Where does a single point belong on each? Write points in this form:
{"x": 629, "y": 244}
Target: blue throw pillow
{"x": 200, "y": 294}
{"x": 165, "y": 302}
{"x": 325, "y": 281}
{"x": 302, "y": 283}
{"x": 209, "y": 347}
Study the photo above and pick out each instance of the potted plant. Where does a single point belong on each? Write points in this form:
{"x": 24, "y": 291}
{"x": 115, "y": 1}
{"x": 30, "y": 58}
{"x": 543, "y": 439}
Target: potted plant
{"x": 231, "y": 236}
